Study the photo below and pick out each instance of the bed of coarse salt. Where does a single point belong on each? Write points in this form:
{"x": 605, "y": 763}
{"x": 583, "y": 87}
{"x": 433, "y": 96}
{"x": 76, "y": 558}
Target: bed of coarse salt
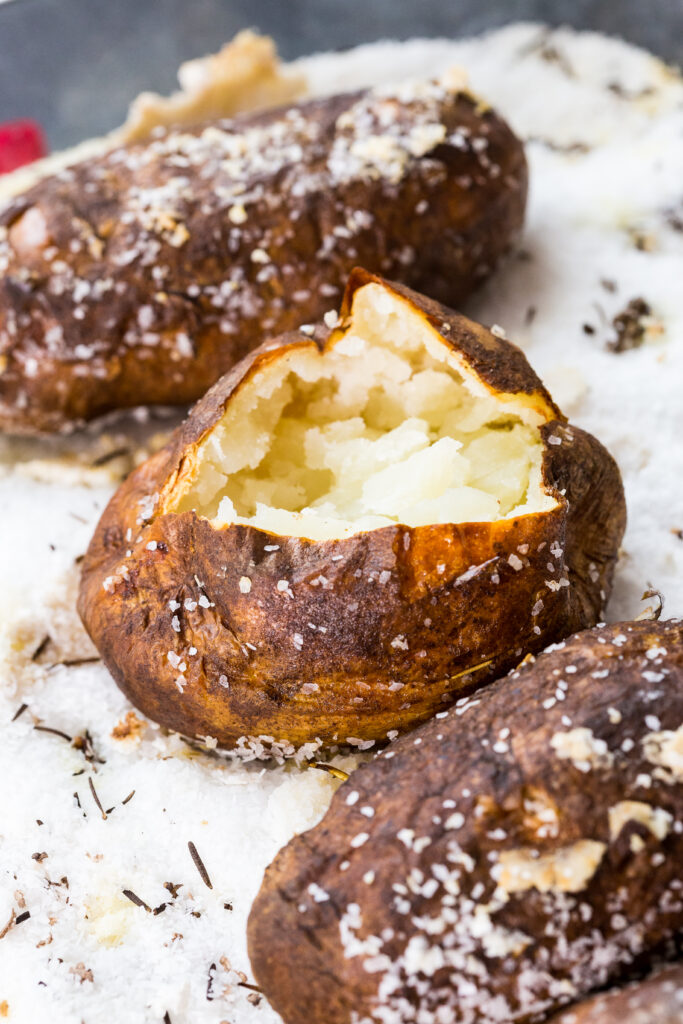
{"x": 604, "y": 125}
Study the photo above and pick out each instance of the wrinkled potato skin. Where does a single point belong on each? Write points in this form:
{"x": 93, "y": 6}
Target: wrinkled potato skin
{"x": 656, "y": 1000}
{"x": 49, "y": 382}
{"x": 623, "y": 911}
{"x": 353, "y": 663}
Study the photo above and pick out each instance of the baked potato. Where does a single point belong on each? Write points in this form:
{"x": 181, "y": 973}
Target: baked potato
{"x": 505, "y": 858}
{"x": 656, "y": 1000}
{"x": 141, "y": 276}
{"x": 354, "y": 527}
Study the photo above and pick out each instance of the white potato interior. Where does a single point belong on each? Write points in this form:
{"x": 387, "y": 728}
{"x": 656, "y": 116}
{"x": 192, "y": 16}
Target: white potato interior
{"x": 388, "y": 426}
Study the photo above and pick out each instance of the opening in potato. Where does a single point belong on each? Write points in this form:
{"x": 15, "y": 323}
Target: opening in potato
{"x": 388, "y": 424}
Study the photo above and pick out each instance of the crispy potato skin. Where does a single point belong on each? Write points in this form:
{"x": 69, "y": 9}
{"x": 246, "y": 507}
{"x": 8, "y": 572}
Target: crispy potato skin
{"x": 435, "y": 618}
{"x": 656, "y": 1000}
{"x": 478, "y": 783}
{"x": 132, "y": 279}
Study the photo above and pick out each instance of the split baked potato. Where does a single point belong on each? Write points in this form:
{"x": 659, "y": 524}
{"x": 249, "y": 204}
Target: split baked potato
{"x": 353, "y": 528}
{"x": 655, "y": 1000}
{"x": 516, "y": 852}
{"x": 140, "y": 276}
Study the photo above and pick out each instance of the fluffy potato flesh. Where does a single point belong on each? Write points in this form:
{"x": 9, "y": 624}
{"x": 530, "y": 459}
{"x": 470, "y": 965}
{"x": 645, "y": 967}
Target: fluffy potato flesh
{"x": 387, "y": 425}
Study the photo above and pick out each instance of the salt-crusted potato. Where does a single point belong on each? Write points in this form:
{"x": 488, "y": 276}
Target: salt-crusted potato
{"x": 656, "y": 1000}
{"x": 141, "y": 276}
{"x": 352, "y": 529}
{"x": 506, "y": 858}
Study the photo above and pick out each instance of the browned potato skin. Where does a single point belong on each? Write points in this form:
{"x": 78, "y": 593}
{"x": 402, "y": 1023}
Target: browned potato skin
{"x": 474, "y": 209}
{"x": 628, "y": 908}
{"x": 468, "y": 621}
{"x": 656, "y": 1000}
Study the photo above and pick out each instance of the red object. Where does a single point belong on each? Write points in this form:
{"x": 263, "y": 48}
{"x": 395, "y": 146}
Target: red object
{"x": 21, "y": 142}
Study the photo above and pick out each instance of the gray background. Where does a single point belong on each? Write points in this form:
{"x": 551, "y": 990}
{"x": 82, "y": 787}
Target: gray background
{"x": 75, "y": 65}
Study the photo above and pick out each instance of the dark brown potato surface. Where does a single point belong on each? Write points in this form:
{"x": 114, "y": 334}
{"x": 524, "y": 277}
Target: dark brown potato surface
{"x": 506, "y": 858}
{"x": 143, "y": 275}
{"x": 656, "y": 1000}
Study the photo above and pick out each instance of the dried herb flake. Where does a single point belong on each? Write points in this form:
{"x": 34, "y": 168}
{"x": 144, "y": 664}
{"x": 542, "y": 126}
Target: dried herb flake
{"x": 199, "y": 864}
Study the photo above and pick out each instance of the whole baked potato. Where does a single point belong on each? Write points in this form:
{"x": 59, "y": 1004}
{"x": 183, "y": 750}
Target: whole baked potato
{"x": 353, "y": 528}
{"x": 141, "y": 276}
{"x": 516, "y": 852}
{"x": 655, "y": 1000}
